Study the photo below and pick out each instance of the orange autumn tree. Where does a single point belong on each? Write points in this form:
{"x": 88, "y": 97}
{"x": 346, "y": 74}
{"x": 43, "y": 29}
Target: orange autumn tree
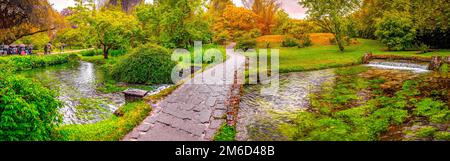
{"x": 234, "y": 23}
{"x": 266, "y": 11}
{"x": 22, "y": 18}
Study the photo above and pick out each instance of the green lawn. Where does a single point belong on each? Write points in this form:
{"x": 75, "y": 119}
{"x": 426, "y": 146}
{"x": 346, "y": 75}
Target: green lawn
{"x": 321, "y": 57}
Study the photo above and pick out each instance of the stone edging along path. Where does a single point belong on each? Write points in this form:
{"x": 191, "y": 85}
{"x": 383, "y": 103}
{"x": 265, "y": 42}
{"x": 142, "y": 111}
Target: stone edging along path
{"x": 193, "y": 112}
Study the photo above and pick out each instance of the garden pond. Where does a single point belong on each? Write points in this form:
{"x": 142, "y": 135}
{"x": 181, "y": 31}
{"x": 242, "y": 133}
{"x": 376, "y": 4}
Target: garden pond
{"x": 77, "y": 86}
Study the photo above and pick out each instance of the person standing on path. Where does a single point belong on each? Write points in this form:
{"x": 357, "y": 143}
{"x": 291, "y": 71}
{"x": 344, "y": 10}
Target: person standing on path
{"x": 48, "y": 48}
{"x": 62, "y": 47}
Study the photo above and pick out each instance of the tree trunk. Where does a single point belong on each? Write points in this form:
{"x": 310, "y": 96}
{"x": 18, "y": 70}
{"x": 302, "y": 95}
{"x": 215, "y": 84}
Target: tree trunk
{"x": 339, "y": 42}
{"x": 105, "y": 52}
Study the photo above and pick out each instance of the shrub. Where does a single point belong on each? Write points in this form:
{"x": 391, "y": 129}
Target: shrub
{"x": 305, "y": 42}
{"x": 289, "y": 42}
{"x": 119, "y": 52}
{"x": 246, "y": 44}
{"x": 90, "y": 53}
{"x": 28, "y": 111}
{"x": 146, "y": 64}
{"x": 396, "y": 31}
{"x": 424, "y": 48}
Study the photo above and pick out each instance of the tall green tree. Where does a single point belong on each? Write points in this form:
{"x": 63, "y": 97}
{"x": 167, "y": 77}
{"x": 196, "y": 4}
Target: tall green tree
{"x": 332, "y": 16}
{"x": 175, "y": 23}
{"x": 114, "y": 29}
{"x": 78, "y": 31}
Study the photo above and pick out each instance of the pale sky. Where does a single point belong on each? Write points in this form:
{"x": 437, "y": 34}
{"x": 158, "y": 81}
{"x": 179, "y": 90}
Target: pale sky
{"x": 290, "y": 6}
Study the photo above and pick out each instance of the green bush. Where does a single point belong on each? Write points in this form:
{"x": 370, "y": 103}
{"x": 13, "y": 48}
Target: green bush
{"x": 28, "y": 111}
{"x": 289, "y": 42}
{"x": 246, "y": 44}
{"x": 146, "y": 64}
{"x": 305, "y": 42}
{"x": 91, "y": 53}
{"x": 396, "y": 31}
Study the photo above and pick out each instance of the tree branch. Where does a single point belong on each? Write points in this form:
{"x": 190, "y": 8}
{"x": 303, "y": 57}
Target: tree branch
{"x": 28, "y": 34}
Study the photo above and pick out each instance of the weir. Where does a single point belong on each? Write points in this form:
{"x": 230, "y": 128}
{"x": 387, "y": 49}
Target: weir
{"x": 405, "y": 62}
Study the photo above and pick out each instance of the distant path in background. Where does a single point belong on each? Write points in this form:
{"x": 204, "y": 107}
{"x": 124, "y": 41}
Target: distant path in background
{"x": 67, "y": 52}
{"x": 193, "y": 112}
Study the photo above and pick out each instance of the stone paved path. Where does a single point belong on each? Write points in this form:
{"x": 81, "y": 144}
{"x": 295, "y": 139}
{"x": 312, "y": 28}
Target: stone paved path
{"x": 194, "y": 111}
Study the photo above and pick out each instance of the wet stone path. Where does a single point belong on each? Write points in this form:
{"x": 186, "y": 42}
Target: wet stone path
{"x": 195, "y": 111}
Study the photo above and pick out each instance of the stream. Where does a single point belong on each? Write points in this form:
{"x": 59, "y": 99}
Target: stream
{"x": 259, "y": 115}
{"x": 76, "y": 85}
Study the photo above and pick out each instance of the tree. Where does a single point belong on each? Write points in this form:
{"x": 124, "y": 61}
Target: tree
{"x": 114, "y": 29}
{"x": 430, "y": 19}
{"x": 79, "y": 30}
{"x": 175, "y": 23}
{"x": 266, "y": 11}
{"x": 283, "y": 20}
{"x": 21, "y": 18}
{"x": 216, "y": 7}
{"x": 371, "y": 10}
{"x": 396, "y": 31}
{"x": 332, "y": 16}
{"x": 126, "y": 5}
{"x": 235, "y": 21}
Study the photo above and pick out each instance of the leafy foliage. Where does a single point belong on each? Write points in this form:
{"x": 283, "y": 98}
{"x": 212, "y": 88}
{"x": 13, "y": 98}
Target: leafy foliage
{"x": 246, "y": 44}
{"x": 235, "y": 21}
{"x": 395, "y": 31}
{"x": 20, "y": 63}
{"x": 114, "y": 29}
{"x": 437, "y": 111}
{"x": 28, "y": 111}
{"x": 175, "y": 23}
{"x": 26, "y": 17}
{"x": 145, "y": 64}
{"x": 332, "y": 16}
{"x": 289, "y": 42}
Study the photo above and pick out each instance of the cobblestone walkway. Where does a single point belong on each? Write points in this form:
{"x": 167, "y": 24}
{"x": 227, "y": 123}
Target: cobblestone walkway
{"x": 194, "y": 111}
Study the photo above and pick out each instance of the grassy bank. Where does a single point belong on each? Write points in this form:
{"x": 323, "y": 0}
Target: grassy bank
{"x": 21, "y": 63}
{"x": 321, "y": 57}
{"x": 111, "y": 129}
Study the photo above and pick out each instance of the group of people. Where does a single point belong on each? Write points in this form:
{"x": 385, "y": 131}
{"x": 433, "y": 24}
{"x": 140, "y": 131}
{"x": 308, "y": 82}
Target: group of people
{"x": 16, "y": 49}
{"x": 25, "y": 49}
